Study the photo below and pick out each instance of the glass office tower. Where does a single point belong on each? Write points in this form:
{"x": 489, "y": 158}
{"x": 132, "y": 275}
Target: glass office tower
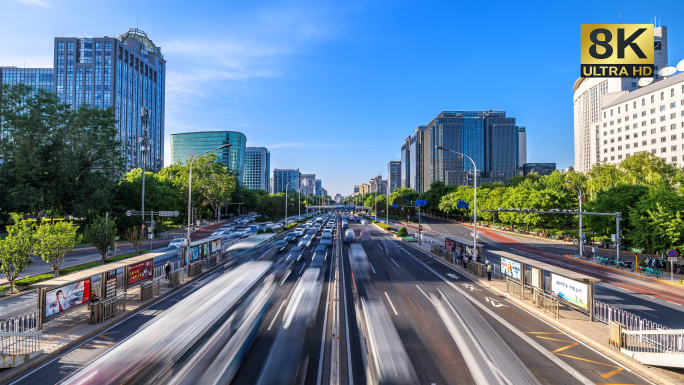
{"x": 187, "y": 145}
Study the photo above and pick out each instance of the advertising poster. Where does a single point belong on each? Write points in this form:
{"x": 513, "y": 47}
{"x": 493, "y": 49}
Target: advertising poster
{"x": 448, "y": 244}
{"x": 206, "y": 249}
{"x": 535, "y": 277}
{"x": 65, "y": 297}
{"x": 216, "y": 246}
{"x": 569, "y": 290}
{"x": 194, "y": 254}
{"x": 510, "y": 268}
{"x": 140, "y": 271}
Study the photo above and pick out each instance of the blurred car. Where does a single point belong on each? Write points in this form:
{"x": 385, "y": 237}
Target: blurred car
{"x": 296, "y": 252}
{"x": 220, "y": 232}
{"x": 326, "y": 239}
{"x": 280, "y": 245}
{"x": 307, "y": 239}
{"x": 321, "y": 253}
{"x": 177, "y": 243}
{"x": 291, "y": 237}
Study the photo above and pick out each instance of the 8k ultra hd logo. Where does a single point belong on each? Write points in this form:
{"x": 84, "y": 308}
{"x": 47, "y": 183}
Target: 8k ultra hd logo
{"x": 617, "y": 50}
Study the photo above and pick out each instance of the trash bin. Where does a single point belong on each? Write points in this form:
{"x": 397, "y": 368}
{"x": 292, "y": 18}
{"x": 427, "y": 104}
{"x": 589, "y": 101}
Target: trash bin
{"x": 95, "y": 313}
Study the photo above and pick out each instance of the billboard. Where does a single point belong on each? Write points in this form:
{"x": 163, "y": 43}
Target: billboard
{"x": 535, "y": 277}
{"x": 206, "y": 249}
{"x": 140, "y": 271}
{"x": 570, "y": 290}
{"x": 216, "y": 246}
{"x": 448, "y": 244}
{"x": 510, "y": 268}
{"x": 193, "y": 254}
{"x": 63, "y": 298}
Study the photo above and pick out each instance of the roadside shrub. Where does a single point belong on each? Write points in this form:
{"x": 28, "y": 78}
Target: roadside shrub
{"x": 403, "y": 233}
{"x": 268, "y": 230}
{"x": 28, "y": 281}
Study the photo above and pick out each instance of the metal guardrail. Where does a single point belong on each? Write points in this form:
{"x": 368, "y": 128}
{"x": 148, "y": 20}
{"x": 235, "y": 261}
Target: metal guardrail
{"x": 160, "y": 271}
{"x": 606, "y": 313}
{"x": 653, "y": 341}
{"x": 149, "y": 289}
{"x": 212, "y": 261}
{"x": 194, "y": 268}
{"x": 176, "y": 277}
{"x": 545, "y": 301}
{"x": 476, "y": 268}
{"x": 20, "y": 335}
{"x": 109, "y": 307}
{"x": 27, "y": 322}
{"x": 514, "y": 287}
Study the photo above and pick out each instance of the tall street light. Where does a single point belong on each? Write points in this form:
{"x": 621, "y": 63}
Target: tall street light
{"x": 386, "y": 202}
{"x": 580, "y": 217}
{"x": 187, "y": 241}
{"x": 474, "y": 197}
{"x": 287, "y": 220}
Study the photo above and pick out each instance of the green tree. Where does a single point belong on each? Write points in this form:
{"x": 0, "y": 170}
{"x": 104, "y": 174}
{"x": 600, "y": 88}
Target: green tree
{"x": 135, "y": 236}
{"x": 621, "y": 198}
{"x": 16, "y": 250}
{"x": 656, "y": 220}
{"x": 402, "y": 232}
{"x": 101, "y": 233}
{"x": 54, "y": 241}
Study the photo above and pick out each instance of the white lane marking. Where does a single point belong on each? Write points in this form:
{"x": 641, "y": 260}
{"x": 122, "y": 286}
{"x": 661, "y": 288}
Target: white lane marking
{"x": 380, "y": 246}
{"x": 426, "y": 296}
{"x": 470, "y": 287}
{"x": 302, "y": 269}
{"x": 494, "y": 302}
{"x": 395, "y": 262}
{"x": 674, "y": 303}
{"x": 450, "y": 275}
{"x": 325, "y": 324}
{"x": 346, "y": 318}
{"x": 391, "y": 304}
{"x": 276, "y": 316}
{"x": 372, "y": 267}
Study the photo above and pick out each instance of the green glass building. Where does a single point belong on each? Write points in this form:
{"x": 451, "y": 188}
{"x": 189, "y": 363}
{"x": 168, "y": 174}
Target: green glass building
{"x": 185, "y": 146}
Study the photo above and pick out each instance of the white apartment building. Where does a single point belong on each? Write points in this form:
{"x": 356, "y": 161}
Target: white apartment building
{"x": 257, "y": 168}
{"x": 649, "y": 119}
{"x": 592, "y": 94}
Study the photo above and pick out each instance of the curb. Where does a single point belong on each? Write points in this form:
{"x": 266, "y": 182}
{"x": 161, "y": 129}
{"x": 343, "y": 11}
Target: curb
{"x": 21, "y": 369}
{"x": 626, "y": 361}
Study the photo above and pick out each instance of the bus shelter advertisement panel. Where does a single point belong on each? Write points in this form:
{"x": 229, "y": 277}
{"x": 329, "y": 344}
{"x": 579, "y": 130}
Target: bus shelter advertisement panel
{"x": 65, "y": 297}
{"x": 215, "y": 246}
{"x": 569, "y": 290}
{"x": 510, "y": 268}
{"x": 448, "y": 244}
{"x": 206, "y": 250}
{"x": 140, "y": 272}
{"x": 194, "y": 254}
{"x": 535, "y": 277}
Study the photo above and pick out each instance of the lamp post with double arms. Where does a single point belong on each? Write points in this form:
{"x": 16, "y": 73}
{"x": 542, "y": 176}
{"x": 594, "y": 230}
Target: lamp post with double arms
{"x": 190, "y": 186}
{"x": 474, "y": 197}
{"x": 579, "y": 197}
{"x": 386, "y": 202}
{"x": 287, "y": 220}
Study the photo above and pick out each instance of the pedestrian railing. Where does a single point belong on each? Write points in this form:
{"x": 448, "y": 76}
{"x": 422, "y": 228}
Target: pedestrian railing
{"x": 176, "y": 277}
{"x": 496, "y": 271}
{"x": 476, "y": 268}
{"x": 110, "y": 306}
{"x": 654, "y": 341}
{"x": 18, "y": 343}
{"x": 23, "y": 323}
{"x": 194, "y": 268}
{"x": 149, "y": 289}
{"x": 606, "y": 313}
{"x": 160, "y": 271}
{"x": 546, "y": 302}
{"x": 514, "y": 287}
{"x": 212, "y": 261}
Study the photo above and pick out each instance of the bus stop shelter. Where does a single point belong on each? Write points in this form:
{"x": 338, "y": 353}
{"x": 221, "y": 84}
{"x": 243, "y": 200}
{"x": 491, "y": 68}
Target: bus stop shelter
{"x": 572, "y": 288}
{"x": 68, "y": 293}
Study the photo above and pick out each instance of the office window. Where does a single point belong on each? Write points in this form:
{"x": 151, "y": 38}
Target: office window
{"x": 643, "y": 102}
{"x": 662, "y": 118}
{"x": 673, "y": 105}
{"x": 652, "y": 99}
{"x": 636, "y": 144}
{"x": 627, "y": 146}
{"x": 653, "y": 121}
{"x": 662, "y": 129}
{"x": 653, "y": 131}
{"x": 653, "y": 151}
{"x": 612, "y": 132}
{"x": 673, "y": 137}
{"x": 626, "y": 137}
{"x": 663, "y": 149}
{"x": 672, "y": 116}
{"x": 605, "y": 142}
{"x": 674, "y": 158}
{"x": 673, "y": 126}
{"x": 653, "y": 141}
{"x": 674, "y": 148}
{"x": 662, "y": 95}
{"x": 663, "y": 139}
{"x": 612, "y": 158}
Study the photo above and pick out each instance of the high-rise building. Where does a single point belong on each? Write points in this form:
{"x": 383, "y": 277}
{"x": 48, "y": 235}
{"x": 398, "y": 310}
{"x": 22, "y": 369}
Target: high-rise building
{"x": 522, "y": 146}
{"x": 394, "y": 175}
{"x": 591, "y": 94}
{"x": 405, "y": 163}
{"x": 339, "y": 198}
{"x": 37, "y": 78}
{"x": 257, "y": 168}
{"x": 309, "y": 183}
{"x": 650, "y": 119}
{"x": 324, "y": 192}
{"x": 318, "y": 190}
{"x": 186, "y": 146}
{"x": 286, "y": 179}
{"x": 127, "y": 72}
{"x": 490, "y": 138}
{"x": 270, "y": 185}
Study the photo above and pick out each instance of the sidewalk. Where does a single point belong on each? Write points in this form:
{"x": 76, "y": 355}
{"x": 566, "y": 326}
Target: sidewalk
{"x": 578, "y": 325}
{"x": 73, "y": 328}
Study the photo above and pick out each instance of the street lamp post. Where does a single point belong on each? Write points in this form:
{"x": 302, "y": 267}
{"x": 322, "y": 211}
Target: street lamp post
{"x": 187, "y": 241}
{"x": 386, "y": 202}
{"x": 579, "y": 197}
{"x": 287, "y": 221}
{"x": 474, "y": 197}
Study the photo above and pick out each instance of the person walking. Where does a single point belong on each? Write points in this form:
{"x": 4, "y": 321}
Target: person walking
{"x": 167, "y": 268}
{"x": 489, "y": 271}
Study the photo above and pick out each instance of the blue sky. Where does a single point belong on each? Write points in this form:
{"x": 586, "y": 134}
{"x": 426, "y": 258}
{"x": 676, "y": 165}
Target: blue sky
{"x": 333, "y": 88}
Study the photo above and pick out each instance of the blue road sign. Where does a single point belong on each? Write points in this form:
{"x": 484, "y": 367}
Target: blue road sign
{"x": 672, "y": 253}
{"x": 395, "y": 205}
{"x": 421, "y": 202}
{"x": 461, "y": 204}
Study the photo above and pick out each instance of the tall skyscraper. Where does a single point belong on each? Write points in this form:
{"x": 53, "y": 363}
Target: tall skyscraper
{"x": 406, "y": 163}
{"x": 257, "y": 168}
{"x": 522, "y": 146}
{"x": 127, "y": 72}
{"x": 394, "y": 175}
{"x": 286, "y": 178}
{"x": 185, "y": 146}
{"x": 591, "y": 94}
{"x": 318, "y": 190}
{"x": 309, "y": 181}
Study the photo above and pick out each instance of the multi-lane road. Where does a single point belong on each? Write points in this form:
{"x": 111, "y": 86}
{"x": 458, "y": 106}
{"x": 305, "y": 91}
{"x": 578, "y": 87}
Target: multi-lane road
{"x": 452, "y": 330}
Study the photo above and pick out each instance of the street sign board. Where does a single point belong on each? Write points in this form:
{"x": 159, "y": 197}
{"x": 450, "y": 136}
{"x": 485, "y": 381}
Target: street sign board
{"x": 116, "y": 238}
{"x": 129, "y": 213}
{"x": 395, "y": 205}
{"x": 421, "y": 202}
{"x": 670, "y": 259}
{"x": 150, "y": 236}
{"x": 637, "y": 250}
{"x": 672, "y": 253}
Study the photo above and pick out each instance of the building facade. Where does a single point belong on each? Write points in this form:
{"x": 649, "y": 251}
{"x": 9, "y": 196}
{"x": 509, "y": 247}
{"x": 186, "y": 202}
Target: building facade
{"x": 36, "y": 78}
{"x": 128, "y": 73}
{"x": 405, "y": 163}
{"x": 339, "y": 198}
{"x": 522, "y": 146}
{"x": 318, "y": 189}
{"x": 289, "y": 179}
{"x": 592, "y": 94}
{"x": 540, "y": 168}
{"x": 257, "y": 168}
{"x": 650, "y": 119}
{"x": 394, "y": 175}
{"x": 309, "y": 183}
{"x": 186, "y": 146}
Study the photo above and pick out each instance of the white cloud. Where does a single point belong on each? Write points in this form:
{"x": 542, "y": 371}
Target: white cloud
{"x": 39, "y": 3}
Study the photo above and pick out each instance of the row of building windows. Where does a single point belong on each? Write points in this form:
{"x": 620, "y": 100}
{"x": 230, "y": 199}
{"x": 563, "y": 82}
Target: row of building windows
{"x": 643, "y": 101}
{"x": 673, "y": 159}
